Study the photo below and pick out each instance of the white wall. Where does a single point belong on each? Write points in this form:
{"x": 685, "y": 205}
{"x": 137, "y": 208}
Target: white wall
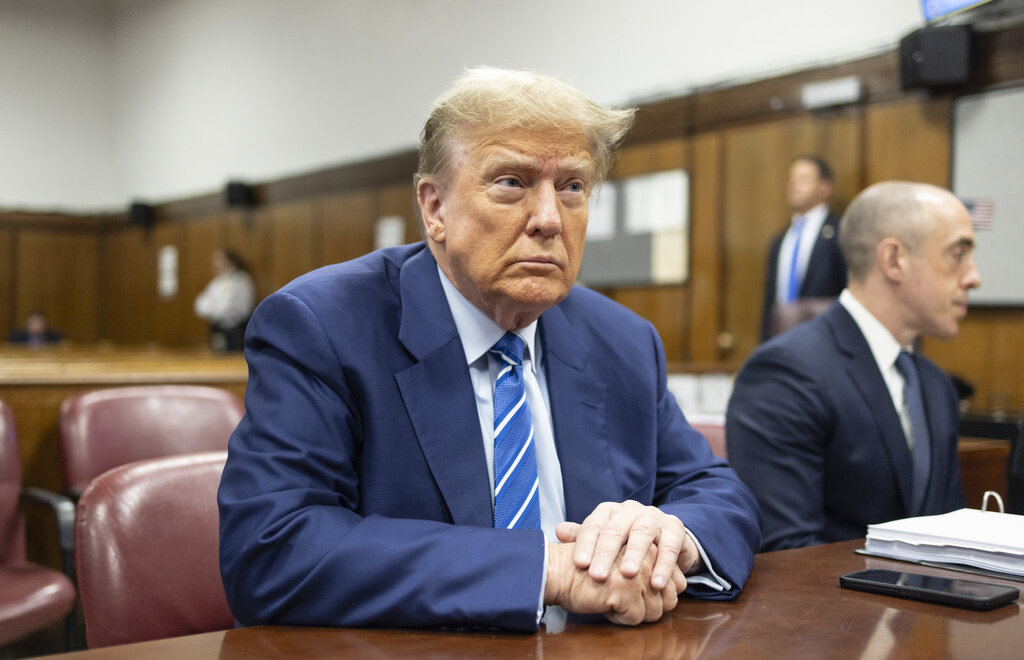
{"x": 207, "y": 90}
{"x": 56, "y": 106}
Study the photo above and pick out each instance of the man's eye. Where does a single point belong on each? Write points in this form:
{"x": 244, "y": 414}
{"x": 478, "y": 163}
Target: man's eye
{"x": 510, "y": 181}
{"x": 575, "y": 186}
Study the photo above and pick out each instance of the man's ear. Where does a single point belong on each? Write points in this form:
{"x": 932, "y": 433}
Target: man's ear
{"x": 891, "y": 256}
{"x": 430, "y": 197}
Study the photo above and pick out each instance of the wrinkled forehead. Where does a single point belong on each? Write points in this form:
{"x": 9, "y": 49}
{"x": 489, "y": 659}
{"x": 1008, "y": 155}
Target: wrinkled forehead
{"x": 525, "y": 144}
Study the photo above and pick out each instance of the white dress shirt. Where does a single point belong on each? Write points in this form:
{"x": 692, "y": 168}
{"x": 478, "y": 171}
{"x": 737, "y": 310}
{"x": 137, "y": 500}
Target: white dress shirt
{"x": 813, "y": 220}
{"x": 885, "y": 349}
{"x": 478, "y": 334}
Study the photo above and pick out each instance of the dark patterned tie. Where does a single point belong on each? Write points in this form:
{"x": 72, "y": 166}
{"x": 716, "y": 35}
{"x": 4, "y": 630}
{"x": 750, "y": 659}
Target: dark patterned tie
{"x": 516, "y": 496}
{"x": 914, "y": 401}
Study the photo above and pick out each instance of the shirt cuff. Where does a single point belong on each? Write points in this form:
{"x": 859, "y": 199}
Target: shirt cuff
{"x": 706, "y": 579}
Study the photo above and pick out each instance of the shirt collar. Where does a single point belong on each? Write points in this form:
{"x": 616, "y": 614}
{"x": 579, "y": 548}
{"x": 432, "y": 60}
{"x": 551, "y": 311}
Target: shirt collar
{"x": 478, "y": 332}
{"x": 884, "y": 346}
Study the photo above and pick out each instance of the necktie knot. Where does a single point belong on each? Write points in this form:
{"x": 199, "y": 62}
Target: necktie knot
{"x": 509, "y": 349}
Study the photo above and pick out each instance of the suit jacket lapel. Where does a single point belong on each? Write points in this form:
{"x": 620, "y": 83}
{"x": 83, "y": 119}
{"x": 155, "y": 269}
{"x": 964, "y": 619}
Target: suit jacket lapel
{"x": 578, "y": 416}
{"x": 864, "y": 374}
{"x": 438, "y": 394}
{"x": 827, "y": 234}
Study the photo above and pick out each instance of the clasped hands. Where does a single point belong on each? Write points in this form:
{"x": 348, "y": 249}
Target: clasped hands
{"x": 626, "y": 561}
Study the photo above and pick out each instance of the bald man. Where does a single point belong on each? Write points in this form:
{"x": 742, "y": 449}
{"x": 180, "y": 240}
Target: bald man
{"x": 838, "y": 423}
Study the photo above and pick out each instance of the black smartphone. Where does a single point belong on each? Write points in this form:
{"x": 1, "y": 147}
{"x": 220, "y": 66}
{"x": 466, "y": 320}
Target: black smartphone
{"x": 968, "y": 594}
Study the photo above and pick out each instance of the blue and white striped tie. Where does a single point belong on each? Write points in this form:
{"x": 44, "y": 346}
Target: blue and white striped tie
{"x": 516, "y": 500}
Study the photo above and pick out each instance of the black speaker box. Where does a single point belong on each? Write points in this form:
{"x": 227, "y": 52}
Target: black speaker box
{"x": 142, "y": 214}
{"x": 239, "y": 194}
{"x": 936, "y": 57}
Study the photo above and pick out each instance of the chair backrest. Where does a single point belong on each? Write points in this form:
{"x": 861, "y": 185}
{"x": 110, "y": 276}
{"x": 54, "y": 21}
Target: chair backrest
{"x": 12, "y": 523}
{"x": 146, "y": 539}
{"x": 715, "y": 435}
{"x": 106, "y": 428}
{"x": 789, "y": 315}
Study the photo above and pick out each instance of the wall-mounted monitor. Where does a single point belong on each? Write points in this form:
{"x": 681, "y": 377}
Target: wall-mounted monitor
{"x": 936, "y": 9}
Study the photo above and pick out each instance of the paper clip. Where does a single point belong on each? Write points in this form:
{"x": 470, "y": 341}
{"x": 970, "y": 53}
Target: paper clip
{"x": 994, "y": 495}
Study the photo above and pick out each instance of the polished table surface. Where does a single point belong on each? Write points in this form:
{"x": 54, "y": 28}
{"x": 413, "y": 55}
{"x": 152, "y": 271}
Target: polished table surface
{"x": 792, "y": 607}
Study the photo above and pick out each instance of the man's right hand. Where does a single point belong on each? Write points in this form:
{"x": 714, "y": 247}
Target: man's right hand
{"x": 627, "y": 601}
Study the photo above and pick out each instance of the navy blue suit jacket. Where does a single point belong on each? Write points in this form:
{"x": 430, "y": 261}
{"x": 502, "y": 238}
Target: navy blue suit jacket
{"x": 812, "y": 429}
{"x": 356, "y": 490}
{"x": 825, "y": 276}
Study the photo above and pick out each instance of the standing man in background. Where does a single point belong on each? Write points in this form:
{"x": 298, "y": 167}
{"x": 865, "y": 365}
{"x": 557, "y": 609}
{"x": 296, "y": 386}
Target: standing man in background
{"x": 227, "y": 301}
{"x": 804, "y": 261}
{"x": 839, "y": 423}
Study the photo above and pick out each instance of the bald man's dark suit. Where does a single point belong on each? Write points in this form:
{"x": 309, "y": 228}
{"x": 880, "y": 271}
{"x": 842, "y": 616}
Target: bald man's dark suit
{"x": 812, "y": 429}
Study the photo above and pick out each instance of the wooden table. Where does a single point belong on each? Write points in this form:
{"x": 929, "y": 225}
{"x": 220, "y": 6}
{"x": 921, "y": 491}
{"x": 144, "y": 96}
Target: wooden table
{"x": 792, "y": 607}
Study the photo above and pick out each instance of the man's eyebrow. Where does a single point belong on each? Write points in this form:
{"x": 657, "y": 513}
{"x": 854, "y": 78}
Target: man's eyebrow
{"x": 963, "y": 241}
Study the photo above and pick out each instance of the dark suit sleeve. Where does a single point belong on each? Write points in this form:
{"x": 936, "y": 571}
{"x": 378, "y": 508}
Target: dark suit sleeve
{"x": 777, "y": 425}
{"x": 295, "y": 546}
{"x": 705, "y": 494}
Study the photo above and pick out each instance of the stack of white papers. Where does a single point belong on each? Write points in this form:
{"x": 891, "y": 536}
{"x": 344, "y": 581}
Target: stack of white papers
{"x": 969, "y": 538}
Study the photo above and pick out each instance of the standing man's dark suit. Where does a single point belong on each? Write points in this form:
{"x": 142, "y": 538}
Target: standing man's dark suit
{"x": 356, "y": 489}
{"x": 812, "y": 430}
{"x": 825, "y": 276}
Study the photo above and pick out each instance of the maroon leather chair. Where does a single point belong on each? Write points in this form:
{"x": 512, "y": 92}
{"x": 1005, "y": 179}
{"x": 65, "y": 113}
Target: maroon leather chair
{"x": 106, "y": 428}
{"x": 146, "y": 537}
{"x": 715, "y": 434}
{"x": 32, "y": 597}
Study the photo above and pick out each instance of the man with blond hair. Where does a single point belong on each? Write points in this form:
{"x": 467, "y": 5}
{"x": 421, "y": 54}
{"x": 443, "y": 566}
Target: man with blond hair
{"x": 451, "y": 433}
{"x": 839, "y": 423}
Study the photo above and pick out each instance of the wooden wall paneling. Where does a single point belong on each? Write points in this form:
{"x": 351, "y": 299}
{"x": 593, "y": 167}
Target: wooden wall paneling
{"x": 8, "y": 321}
{"x": 169, "y": 313}
{"x": 706, "y": 258}
{"x": 756, "y": 164}
{"x": 400, "y": 199}
{"x": 58, "y": 272}
{"x": 666, "y": 306}
{"x": 910, "y": 140}
{"x": 347, "y": 226}
{"x": 200, "y": 239}
{"x": 128, "y": 293}
{"x": 292, "y": 235}
{"x": 245, "y": 232}
{"x": 987, "y": 352}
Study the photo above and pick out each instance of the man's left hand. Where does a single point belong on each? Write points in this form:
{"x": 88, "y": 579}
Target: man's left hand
{"x": 613, "y": 525}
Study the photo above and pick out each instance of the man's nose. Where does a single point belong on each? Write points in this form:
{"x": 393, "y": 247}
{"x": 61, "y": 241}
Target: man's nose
{"x": 972, "y": 280}
{"x": 545, "y": 212}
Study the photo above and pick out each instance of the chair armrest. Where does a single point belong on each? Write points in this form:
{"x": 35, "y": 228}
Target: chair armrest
{"x": 64, "y": 511}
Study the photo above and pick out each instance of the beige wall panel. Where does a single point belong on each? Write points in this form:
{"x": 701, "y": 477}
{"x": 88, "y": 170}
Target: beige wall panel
{"x": 8, "y": 320}
{"x": 170, "y": 313}
{"x": 909, "y": 140}
{"x": 400, "y": 199}
{"x": 292, "y": 234}
{"x": 57, "y": 272}
{"x": 706, "y": 258}
{"x": 347, "y": 225}
{"x": 128, "y": 293}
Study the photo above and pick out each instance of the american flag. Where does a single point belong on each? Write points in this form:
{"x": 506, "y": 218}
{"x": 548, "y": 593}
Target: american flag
{"x": 981, "y": 211}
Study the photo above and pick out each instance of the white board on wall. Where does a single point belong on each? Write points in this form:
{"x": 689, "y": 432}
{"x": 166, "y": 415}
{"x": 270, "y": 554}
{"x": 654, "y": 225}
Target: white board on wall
{"x": 988, "y": 174}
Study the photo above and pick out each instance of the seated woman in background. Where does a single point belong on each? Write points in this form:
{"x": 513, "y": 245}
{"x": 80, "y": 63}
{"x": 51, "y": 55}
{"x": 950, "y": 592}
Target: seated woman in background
{"x": 36, "y": 332}
{"x": 227, "y": 301}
